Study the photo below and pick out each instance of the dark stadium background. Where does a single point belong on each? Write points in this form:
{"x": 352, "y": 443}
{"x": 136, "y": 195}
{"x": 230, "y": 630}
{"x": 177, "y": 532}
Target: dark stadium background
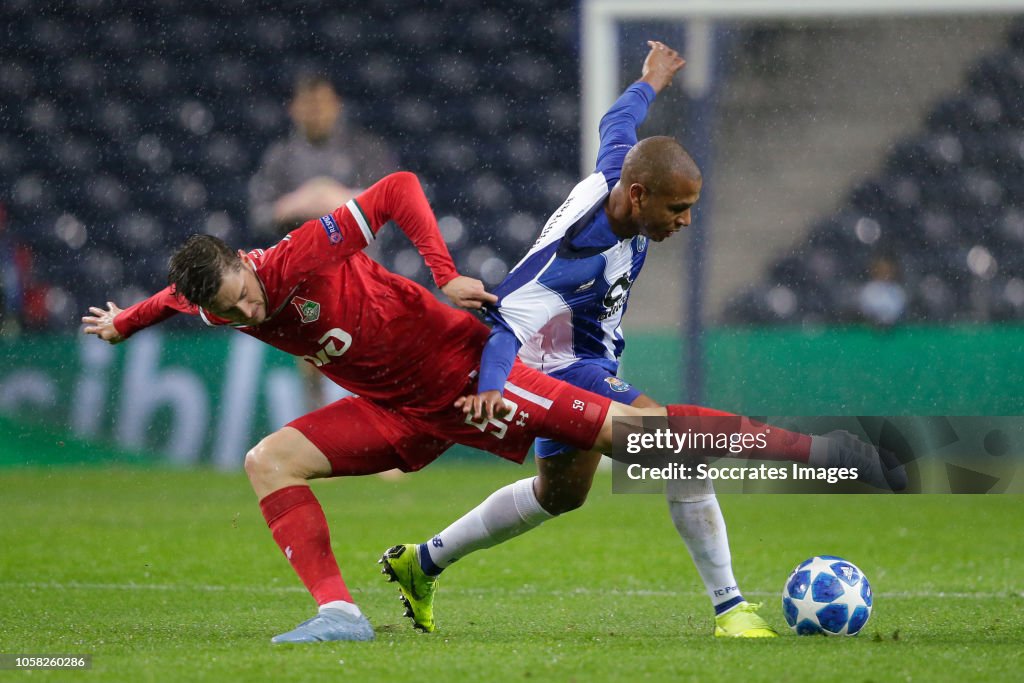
{"x": 861, "y": 252}
{"x": 123, "y": 129}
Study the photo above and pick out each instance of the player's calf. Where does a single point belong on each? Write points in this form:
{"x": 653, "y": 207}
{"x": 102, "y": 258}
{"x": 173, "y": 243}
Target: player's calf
{"x": 564, "y": 480}
{"x": 563, "y": 499}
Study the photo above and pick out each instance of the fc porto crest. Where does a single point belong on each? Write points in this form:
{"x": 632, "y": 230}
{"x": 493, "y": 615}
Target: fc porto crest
{"x": 309, "y": 311}
{"x": 616, "y": 384}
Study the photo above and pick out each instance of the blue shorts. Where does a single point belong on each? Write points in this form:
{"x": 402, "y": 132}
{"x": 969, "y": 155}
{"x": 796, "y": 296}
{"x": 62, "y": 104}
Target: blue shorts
{"x": 592, "y": 377}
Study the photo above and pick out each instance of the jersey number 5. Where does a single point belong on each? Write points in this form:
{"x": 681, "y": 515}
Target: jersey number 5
{"x": 500, "y": 425}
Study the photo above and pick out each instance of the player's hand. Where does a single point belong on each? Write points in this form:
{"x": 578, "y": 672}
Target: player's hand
{"x": 467, "y": 292}
{"x": 101, "y": 323}
{"x": 489, "y": 403}
{"x": 661, "y": 65}
{"x": 316, "y": 197}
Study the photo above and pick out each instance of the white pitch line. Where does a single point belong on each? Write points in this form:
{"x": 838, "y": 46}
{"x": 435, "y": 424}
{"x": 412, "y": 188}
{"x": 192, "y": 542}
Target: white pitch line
{"x": 202, "y": 588}
{"x": 523, "y": 590}
{"x": 914, "y": 595}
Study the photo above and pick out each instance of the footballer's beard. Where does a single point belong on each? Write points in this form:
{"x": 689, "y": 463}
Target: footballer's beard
{"x": 660, "y": 234}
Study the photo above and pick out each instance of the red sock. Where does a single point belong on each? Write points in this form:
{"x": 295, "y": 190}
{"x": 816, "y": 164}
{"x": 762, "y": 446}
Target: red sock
{"x": 298, "y": 524}
{"x": 782, "y": 444}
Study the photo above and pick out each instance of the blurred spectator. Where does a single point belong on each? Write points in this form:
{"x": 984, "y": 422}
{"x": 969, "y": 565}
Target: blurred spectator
{"x": 10, "y": 282}
{"x": 320, "y": 166}
{"x": 883, "y": 300}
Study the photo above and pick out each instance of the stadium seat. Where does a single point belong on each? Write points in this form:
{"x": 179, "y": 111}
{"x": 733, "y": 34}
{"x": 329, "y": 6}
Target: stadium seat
{"x": 192, "y": 96}
{"x": 17, "y": 83}
{"x": 99, "y": 264}
{"x": 111, "y": 117}
{"x": 415, "y": 116}
{"x": 949, "y": 204}
{"x": 524, "y": 152}
{"x": 968, "y": 113}
{"x": 31, "y": 192}
{"x": 1001, "y": 75}
{"x": 105, "y": 196}
{"x": 452, "y": 153}
{"x": 153, "y": 78}
{"x": 419, "y": 30}
{"x": 193, "y": 35}
{"x": 350, "y": 28}
{"x": 42, "y": 115}
{"x": 76, "y": 154}
{"x": 136, "y": 231}
{"x": 185, "y": 193}
{"x": 934, "y": 300}
{"x": 13, "y": 156}
{"x": 120, "y": 35}
{"x": 222, "y": 153}
{"x": 81, "y": 77}
{"x": 46, "y": 36}
{"x": 1008, "y": 298}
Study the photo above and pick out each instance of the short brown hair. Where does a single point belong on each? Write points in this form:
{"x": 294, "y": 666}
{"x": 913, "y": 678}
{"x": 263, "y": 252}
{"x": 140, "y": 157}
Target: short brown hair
{"x": 196, "y": 270}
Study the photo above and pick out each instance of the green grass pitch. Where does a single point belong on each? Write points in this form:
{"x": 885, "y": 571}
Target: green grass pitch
{"x": 172, "y": 576}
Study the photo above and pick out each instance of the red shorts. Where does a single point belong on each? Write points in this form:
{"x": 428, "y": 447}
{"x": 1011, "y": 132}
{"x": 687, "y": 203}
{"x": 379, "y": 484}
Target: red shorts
{"x": 359, "y": 436}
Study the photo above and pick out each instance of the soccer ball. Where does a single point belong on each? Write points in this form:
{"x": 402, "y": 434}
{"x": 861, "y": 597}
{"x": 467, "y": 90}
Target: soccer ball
{"x": 827, "y": 594}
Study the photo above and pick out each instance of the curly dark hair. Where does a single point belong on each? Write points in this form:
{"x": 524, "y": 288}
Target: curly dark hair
{"x": 196, "y": 270}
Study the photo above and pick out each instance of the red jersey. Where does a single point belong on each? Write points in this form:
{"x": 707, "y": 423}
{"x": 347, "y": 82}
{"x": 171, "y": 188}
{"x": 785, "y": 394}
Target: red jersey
{"x": 371, "y": 331}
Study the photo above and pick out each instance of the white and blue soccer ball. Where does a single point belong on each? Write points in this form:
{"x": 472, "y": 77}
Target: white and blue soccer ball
{"x": 827, "y": 594}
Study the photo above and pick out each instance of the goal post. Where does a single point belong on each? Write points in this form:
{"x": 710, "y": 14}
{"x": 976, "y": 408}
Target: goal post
{"x": 601, "y": 69}
{"x": 600, "y": 63}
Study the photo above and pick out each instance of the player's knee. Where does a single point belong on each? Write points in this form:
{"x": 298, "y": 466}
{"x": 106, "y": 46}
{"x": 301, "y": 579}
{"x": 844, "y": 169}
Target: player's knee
{"x": 564, "y": 499}
{"x": 626, "y": 415}
{"x": 574, "y": 500}
{"x": 259, "y": 463}
{"x": 644, "y": 402}
{"x": 270, "y": 460}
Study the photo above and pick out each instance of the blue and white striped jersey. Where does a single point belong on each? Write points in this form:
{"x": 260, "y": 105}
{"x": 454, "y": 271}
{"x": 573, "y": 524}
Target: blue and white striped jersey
{"x": 564, "y": 301}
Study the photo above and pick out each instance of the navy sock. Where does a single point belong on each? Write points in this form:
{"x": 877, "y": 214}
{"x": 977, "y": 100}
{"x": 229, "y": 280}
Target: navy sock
{"x": 728, "y": 605}
{"x": 427, "y": 564}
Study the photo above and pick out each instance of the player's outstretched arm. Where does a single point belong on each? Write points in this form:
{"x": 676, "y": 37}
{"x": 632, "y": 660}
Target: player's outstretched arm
{"x": 101, "y": 323}
{"x": 618, "y": 127}
{"x": 661, "y": 65}
{"x": 468, "y": 292}
{"x": 115, "y": 325}
{"x": 399, "y": 197}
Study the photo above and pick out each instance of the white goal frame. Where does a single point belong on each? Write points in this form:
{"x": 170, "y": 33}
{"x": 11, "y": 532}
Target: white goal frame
{"x": 600, "y": 69}
{"x": 600, "y": 63}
